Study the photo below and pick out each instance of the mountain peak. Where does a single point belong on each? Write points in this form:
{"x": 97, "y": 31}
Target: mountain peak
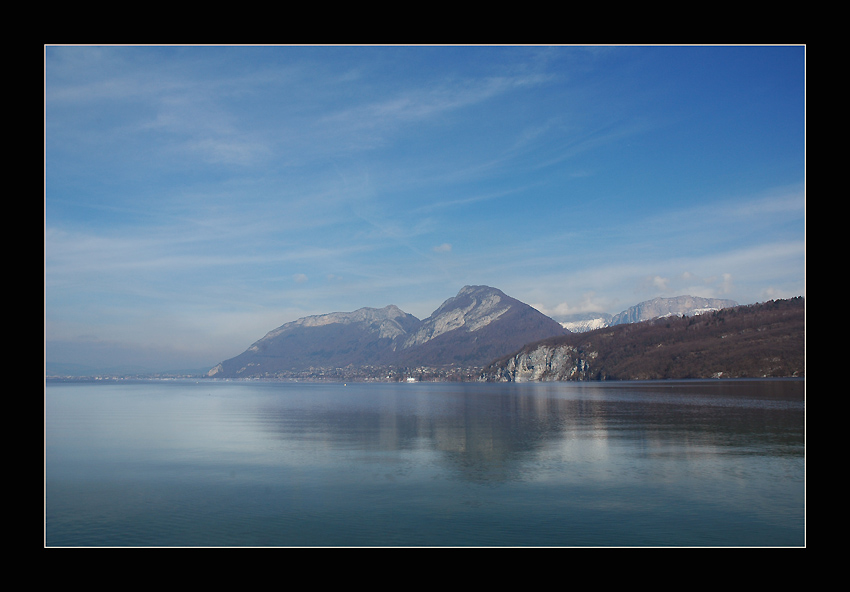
{"x": 480, "y": 292}
{"x": 474, "y": 307}
{"x": 481, "y": 288}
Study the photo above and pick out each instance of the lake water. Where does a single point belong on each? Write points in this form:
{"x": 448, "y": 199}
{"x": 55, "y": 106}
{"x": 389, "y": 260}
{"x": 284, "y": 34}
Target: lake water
{"x": 719, "y": 463}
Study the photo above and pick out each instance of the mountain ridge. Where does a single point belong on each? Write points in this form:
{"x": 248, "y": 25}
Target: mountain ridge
{"x": 472, "y": 328}
{"x": 684, "y": 305}
{"x": 663, "y": 307}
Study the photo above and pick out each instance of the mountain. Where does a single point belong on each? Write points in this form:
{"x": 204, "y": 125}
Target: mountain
{"x": 471, "y": 329}
{"x": 665, "y": 307}
{"x": 755, "y": 341}
{"x": 587, "y": 321}
{"x": 644, "y": 311}
{"x": 335, "y": 340}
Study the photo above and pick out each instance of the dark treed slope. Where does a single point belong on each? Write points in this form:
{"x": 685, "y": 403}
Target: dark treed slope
{"x": 760, "y": 340}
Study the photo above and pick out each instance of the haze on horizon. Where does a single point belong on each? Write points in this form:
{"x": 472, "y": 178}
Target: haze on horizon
{"x": 198, "y": 197}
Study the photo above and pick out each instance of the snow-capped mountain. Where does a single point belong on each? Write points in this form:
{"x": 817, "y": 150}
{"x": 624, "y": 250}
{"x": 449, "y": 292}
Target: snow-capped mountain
{"x": 644, "y": 311}
{"x": 664, "y": 307}
{"x": 588, "y": 321}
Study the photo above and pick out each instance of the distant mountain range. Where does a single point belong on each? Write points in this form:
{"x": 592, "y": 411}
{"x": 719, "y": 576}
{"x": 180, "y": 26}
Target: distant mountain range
{"x": 644, "y": 311}
{"x": 471, "y": 329}
{"x": 483, "y": 327}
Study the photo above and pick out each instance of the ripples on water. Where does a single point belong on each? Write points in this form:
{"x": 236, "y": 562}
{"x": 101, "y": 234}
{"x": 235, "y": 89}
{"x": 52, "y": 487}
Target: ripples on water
{"x": 594, "y": 464}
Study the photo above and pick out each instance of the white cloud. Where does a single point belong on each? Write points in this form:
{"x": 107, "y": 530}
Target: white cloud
{"x": 126, "y": 123}
{"x": 420, "y": 104}
{"x": 587, "y": 303}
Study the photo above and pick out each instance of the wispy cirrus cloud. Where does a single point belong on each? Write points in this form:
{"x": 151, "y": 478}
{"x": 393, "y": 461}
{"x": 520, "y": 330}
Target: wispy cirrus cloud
{"x": 422, "y": 104}
{"x": 189, "y": 189}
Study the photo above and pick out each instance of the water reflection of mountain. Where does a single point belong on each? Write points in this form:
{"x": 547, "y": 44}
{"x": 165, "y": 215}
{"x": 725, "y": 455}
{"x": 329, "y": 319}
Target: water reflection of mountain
{"x": 492, "y": 432}
{"x": 482, "y": 432}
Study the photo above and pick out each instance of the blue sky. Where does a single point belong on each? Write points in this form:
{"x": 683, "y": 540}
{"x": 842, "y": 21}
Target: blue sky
{"x": 198, "y": 197}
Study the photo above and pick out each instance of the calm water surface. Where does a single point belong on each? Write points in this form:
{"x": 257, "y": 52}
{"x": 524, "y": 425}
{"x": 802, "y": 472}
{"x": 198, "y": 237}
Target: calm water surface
{"x": 286, "y": 464}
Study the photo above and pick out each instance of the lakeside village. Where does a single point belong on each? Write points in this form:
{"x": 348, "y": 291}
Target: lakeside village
{"x": 349, "y": 374}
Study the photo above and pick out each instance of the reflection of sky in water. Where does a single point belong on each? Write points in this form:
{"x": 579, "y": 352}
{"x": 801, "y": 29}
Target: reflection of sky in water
{"x": 648, "y": 446}
{"x": 296, "y": 423}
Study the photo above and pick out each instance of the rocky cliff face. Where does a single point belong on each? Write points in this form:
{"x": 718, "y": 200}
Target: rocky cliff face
{"x": 544, "y": 363}
{"x": 473, "y": 308}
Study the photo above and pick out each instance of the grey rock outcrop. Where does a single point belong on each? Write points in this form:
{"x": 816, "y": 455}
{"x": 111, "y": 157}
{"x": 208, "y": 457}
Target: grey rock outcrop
{"x": 544, "y": 363}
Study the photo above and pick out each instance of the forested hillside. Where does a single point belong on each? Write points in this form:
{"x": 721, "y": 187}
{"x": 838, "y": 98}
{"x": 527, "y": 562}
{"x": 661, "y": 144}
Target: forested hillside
{"x": 760, "y": 340}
